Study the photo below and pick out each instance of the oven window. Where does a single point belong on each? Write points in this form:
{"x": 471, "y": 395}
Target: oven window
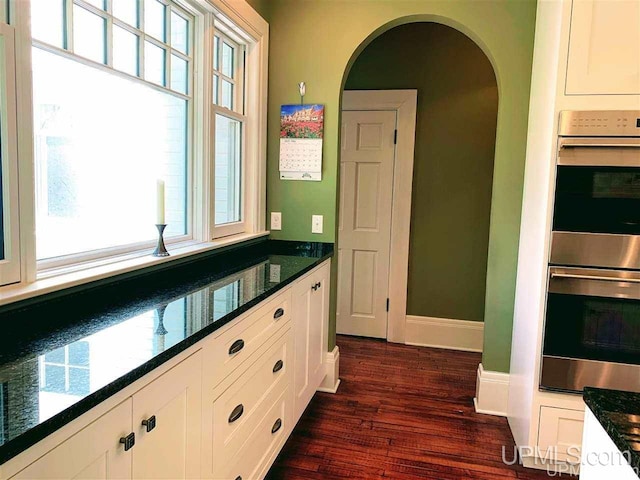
{"x": 593, "y": 328}
{"x": 597, "y": 200}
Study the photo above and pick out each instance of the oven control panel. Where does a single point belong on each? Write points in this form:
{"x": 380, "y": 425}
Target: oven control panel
{"x": 595, "y": 123}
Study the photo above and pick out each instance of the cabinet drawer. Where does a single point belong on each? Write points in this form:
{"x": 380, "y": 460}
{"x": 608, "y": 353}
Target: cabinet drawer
{"x": 233, "y": 346}
{"x": 237, "y": 412}
{"x": 252, "y": 460}
{"x": 561, "y": 429}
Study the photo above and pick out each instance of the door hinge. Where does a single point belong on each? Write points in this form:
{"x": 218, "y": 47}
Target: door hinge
{"x": 395, "y": 137}
{"x": 387, "y": 304}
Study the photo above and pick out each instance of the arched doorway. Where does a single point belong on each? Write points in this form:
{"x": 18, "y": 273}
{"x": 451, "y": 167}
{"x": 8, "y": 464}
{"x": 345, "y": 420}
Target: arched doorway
{"x": 452, "y": 177}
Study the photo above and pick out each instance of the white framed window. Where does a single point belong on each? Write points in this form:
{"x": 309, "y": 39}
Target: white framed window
{"x": 113, "y": 95}
{"x": 9, "y": 201}
{"x": 229, "y": 127}
{"x": 112, "y": 113}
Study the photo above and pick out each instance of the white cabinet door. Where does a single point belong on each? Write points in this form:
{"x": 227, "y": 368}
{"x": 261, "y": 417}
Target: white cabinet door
{"x": 171, "y": 449}
{"x": 561, "y": 432}
{"x": 604, "y": 47}
{"x": 94, "y": 452}
{"x": 310, "y": 320}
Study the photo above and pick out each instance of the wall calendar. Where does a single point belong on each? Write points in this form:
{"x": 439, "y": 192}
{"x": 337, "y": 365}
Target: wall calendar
{"x": 301, "y": 129}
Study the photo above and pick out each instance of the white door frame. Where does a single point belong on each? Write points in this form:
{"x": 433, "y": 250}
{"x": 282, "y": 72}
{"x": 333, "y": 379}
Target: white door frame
{"x": 404, "y": 103}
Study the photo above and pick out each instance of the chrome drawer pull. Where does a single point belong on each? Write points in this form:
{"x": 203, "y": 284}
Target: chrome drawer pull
{"x": 279, "y": 313}
{"x": 236, "y": 346}
{"x": 276, "y": 426}
{"x": 236, "y": 413}
{"x": 150, "y": 423}
{"x": 278, "y": 366}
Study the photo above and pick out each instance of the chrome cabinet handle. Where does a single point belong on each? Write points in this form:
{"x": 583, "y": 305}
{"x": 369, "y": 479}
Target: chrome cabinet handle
{"x": 279, "y": 313}
{"x": 276, "y": 426}
{"x": 236, "y": 346}
{"x": 278, "y": 366}
{"x": 129, "y": 441}
{"x": 236, "y": 413}
{"x": 149, "y": 423}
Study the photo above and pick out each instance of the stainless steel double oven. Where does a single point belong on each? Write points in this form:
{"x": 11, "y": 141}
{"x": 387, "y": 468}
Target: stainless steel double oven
{"x": 592, "y": 326}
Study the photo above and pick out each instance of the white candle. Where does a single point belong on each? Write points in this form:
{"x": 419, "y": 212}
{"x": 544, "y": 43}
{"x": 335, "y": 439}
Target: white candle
{"x": 160, "y": 202}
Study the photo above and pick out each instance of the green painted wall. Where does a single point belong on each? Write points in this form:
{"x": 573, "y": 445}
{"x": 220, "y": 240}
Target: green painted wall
{"x": 316, "y": 41}
{"x": 261, "y": 6}
{"x": 453, "y": 166}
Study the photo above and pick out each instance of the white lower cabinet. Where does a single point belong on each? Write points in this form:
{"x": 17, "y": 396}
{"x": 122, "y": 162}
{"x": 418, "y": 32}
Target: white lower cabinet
{"x": 310, "y": 314}
{"x": 169, "y": 447}
{"x": 118, "y": 446}
{"x": 94, "y": 452}
{"x": 250, "y": 419}
{"x": 224, "y": 412}
{"x": 560, "y": 433}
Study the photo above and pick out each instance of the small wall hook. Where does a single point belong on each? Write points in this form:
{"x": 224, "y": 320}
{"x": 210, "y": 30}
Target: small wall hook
{"x": 303, "y": 89}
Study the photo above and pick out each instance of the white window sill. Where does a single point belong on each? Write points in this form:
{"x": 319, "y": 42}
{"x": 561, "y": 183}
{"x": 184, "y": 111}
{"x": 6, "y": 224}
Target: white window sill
{"x": 63, "y": 278}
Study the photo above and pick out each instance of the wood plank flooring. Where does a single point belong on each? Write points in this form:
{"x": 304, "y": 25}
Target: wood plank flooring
{"x": 401, "y": 412}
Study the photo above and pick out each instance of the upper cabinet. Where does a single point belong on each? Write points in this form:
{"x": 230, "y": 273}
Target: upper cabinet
{"x": 604, "y": 48}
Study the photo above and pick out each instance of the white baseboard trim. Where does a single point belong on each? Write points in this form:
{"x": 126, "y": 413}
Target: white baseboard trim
{"x": 492, "y": 392}
{"x": 331, "y": 381}
{"x": 444, "y": 333}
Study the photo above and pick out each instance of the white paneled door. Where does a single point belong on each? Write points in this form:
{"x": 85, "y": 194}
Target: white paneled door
{"x": 366, "y": 194}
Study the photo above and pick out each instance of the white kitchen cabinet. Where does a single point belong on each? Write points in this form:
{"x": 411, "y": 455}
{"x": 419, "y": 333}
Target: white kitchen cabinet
{"x": 171, "y": 449}
{"x": 310, "y": 320}
{"x": 173, "y": 403}
{"x": 94, "y": 452}
{"x": 253, "y": 417}
{"x": 561, "y": 432}
{"x": 604, "y": 48}
{"x": 601, "y": 459}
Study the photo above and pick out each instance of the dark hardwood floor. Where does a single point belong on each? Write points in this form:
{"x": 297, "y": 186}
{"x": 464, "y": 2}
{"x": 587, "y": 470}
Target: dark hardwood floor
{"x": 401, "y": 412}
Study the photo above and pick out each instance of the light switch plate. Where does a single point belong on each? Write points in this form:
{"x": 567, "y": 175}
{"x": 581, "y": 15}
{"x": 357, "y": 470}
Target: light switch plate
{"x": 316, "y": 223}
{"x": 276, "y": 221}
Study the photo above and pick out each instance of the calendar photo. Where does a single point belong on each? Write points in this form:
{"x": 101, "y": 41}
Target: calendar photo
{"x": 301, "y": 121}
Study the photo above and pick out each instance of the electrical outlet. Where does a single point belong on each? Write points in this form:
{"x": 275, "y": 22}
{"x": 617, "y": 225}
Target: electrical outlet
{"x": 276, "y": 221}
{"x": 316, "y": 223}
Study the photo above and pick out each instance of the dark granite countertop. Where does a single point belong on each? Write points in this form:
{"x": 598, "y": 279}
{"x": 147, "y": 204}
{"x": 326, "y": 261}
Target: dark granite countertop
{"x": 619, "y": 414}
{"x": 63, "y": 354}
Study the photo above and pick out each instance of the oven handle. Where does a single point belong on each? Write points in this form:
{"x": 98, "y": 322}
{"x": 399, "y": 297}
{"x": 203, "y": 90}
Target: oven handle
{"x": 594, "y": 277}
{"x": 600, "y": 142}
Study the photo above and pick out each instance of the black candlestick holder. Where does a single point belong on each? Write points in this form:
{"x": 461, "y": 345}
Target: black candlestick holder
{"x": 161, "y": 250}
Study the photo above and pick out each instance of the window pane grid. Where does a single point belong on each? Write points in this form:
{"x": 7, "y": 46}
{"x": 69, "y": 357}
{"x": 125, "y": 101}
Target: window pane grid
{"x": 59, "y": 22}
{"x": 228, "y": 71}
